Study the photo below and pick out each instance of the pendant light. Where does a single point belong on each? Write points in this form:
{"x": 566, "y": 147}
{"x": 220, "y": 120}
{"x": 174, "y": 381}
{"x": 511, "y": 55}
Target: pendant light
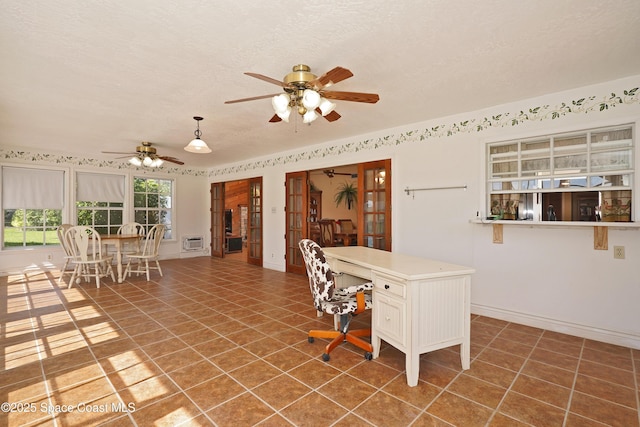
{"x": 197, "y": 145}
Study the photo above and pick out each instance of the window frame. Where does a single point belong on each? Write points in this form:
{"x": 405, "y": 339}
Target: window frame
{"x": 582, "y": 176}
{"x": 43, "y": 227}
{"x": 169, "y": 234}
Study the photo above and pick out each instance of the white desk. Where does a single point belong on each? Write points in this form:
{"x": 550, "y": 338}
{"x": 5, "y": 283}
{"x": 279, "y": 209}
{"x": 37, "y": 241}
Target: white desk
{"x": 419, "y": 305}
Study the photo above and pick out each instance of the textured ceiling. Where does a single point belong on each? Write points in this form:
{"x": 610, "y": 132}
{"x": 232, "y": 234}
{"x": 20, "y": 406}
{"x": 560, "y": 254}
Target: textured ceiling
{"x": 86, "y": 76}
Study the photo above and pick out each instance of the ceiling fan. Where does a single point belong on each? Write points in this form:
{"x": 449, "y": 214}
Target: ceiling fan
{"x": 306, "y": 93}
{"x": 331, "y": 173}
{"x": 146, "y": 155}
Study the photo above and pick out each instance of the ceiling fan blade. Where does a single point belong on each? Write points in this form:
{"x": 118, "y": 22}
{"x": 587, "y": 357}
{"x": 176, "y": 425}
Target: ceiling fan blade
{"x": 119, "y": 152}
{"x": 275, "y": 119}
{"x": 371, "y": 98}
{"x": 332, "y": 116}
{"x": 171, "y": 159}
{"x": 253, "y": 98}
{"x": 331, "y": 77}
{"x": 267, "y": 79}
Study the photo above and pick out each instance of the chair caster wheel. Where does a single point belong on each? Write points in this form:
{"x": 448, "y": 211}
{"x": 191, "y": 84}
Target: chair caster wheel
{"x": 310, "y": 339}
{"x": 325, "y": 357}
{"x": 368, "y": 356}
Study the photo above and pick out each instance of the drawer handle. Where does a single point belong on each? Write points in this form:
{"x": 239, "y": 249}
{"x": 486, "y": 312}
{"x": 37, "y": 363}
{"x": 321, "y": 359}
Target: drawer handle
{"x": 386, "y": 286}
{"x": 387, "y": 318}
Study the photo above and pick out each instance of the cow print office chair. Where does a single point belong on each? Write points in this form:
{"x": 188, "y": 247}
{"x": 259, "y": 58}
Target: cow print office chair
{"x": 345, "y": 302}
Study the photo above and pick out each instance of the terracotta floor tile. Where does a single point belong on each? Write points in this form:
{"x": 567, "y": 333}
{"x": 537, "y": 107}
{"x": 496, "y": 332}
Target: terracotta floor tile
{"x": 347, "y": 390}
{"x": 549, "y": 373}
{"x": 419, "y": 396}
{"x": 178, "y": 359}
{"x": 194, "y": 374}
{"x": 560, "y": 360}
{"x": 603, "y": 411}
{"x": 542, "y": 390}
{"x": 531, "y": 411}
{"x": 494, "y": 374}
{"x": 134, "y": 374}
{"x": 524, "y": 336}
{"x": 477, "y": 390}
{"x": 315, "y": 373}
{"x": 607, "y": 373}
{"x": 255, "y": 373}
{"x": 511, "y": 347}
{"x": 281, "y": 391}
{"x": 244, "y": 410}
{"x": 174, "y": 410}
{"x": 502, "y": 359}
{"x": 459, "y": 411}
{"x": 501, "y": 420}
{"x": 569, "y": 348}
{"x": 386, "y": 410}
{"x": 147, "y": 392}
{"x": 607, "y": 391}
{"x": 313, "y": 409}
{"x": 214, "y": 391}
{"x": 233, "y": 359}
{"x": 620, "y": 361}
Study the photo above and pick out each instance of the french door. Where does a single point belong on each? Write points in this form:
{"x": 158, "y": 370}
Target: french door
{"x": 297, "y": 214}
{"x": 254, "y": 221}
{"x": 217, "y": 219}
{"x": 374, "y": 210}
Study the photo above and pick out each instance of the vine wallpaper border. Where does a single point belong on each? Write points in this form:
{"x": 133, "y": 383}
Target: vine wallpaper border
{"x": 584, "y": 105}
{"x": 545, "y": 112}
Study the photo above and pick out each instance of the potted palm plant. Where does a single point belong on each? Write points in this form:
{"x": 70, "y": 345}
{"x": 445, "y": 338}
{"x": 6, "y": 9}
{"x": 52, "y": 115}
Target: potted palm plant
{"x": 347, "y": 193}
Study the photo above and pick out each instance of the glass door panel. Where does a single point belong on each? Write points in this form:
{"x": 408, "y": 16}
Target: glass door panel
{"x": 217, "y": 219}
{"x": 254, "y": 237}
{"x": 374, "y": 179}
{"x": 297, "y": 189}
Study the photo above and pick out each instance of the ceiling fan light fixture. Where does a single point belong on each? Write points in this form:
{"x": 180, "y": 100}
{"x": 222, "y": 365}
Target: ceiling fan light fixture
{"x": 197, "y": 145}
{"x": 326, "y": 106}
{"x": 309, "y": 116}
{"x": 147, "y": 161}
{"x": 284, "y": 115}
{"x": 280, "y": 103}
{"x": 135, "y": 161}
{"x": 310, "y": 99}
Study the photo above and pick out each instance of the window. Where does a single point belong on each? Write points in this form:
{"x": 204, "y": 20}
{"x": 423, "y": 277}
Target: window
{"x": 153, "y": 203}
{"x": 32, "y": 201}
{"x": 582, "y": 176}
{"x": 100, "y": 201}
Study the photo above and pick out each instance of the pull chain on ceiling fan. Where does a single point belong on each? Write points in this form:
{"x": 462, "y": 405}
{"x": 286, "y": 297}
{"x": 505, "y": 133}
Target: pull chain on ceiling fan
{"x": 305, "y": 93}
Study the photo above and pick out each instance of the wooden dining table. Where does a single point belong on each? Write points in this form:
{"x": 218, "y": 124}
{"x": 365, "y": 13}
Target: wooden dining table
{"x": 119, "y": 241}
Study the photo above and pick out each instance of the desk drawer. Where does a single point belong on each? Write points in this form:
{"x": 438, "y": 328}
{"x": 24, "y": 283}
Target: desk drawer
{"x": 390, "y": 286}
{"x": 348, "y": 268}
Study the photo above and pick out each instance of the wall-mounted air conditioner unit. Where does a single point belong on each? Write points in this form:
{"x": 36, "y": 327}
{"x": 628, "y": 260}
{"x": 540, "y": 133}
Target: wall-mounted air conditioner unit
{"x": 193, "y": 243}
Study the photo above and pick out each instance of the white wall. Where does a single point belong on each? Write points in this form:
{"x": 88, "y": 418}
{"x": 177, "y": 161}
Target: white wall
{"x": 550, "y": 277}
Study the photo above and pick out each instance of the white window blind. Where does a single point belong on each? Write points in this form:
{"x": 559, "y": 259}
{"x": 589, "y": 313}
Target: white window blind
{"x": 27, "y": 188}
{"x": 95, "y": 187}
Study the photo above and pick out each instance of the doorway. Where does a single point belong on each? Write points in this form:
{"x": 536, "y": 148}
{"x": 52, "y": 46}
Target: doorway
{"x": 236, "y": 220}
{"x": 315, "y": 195}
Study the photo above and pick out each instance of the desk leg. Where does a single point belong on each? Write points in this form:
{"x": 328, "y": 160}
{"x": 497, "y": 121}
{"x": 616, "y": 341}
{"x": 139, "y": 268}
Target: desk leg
{"x": 375, "y": 343}
{"x": 465, "y": 346}
{"x": 412, "y": 365}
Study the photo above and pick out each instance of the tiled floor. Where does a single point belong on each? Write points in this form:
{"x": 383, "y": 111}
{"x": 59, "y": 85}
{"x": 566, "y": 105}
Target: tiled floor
{"x": 224, "y": 343}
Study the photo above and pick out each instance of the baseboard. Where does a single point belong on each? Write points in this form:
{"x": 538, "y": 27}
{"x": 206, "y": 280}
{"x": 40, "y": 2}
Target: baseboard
{"x": 589, "y": 332}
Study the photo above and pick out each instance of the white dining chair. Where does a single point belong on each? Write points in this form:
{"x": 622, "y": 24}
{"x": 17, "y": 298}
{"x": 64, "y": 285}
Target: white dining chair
{"x": 85, "y": 247}
{"x": 61, "y": 231}
{"x": 148, "y": 252}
